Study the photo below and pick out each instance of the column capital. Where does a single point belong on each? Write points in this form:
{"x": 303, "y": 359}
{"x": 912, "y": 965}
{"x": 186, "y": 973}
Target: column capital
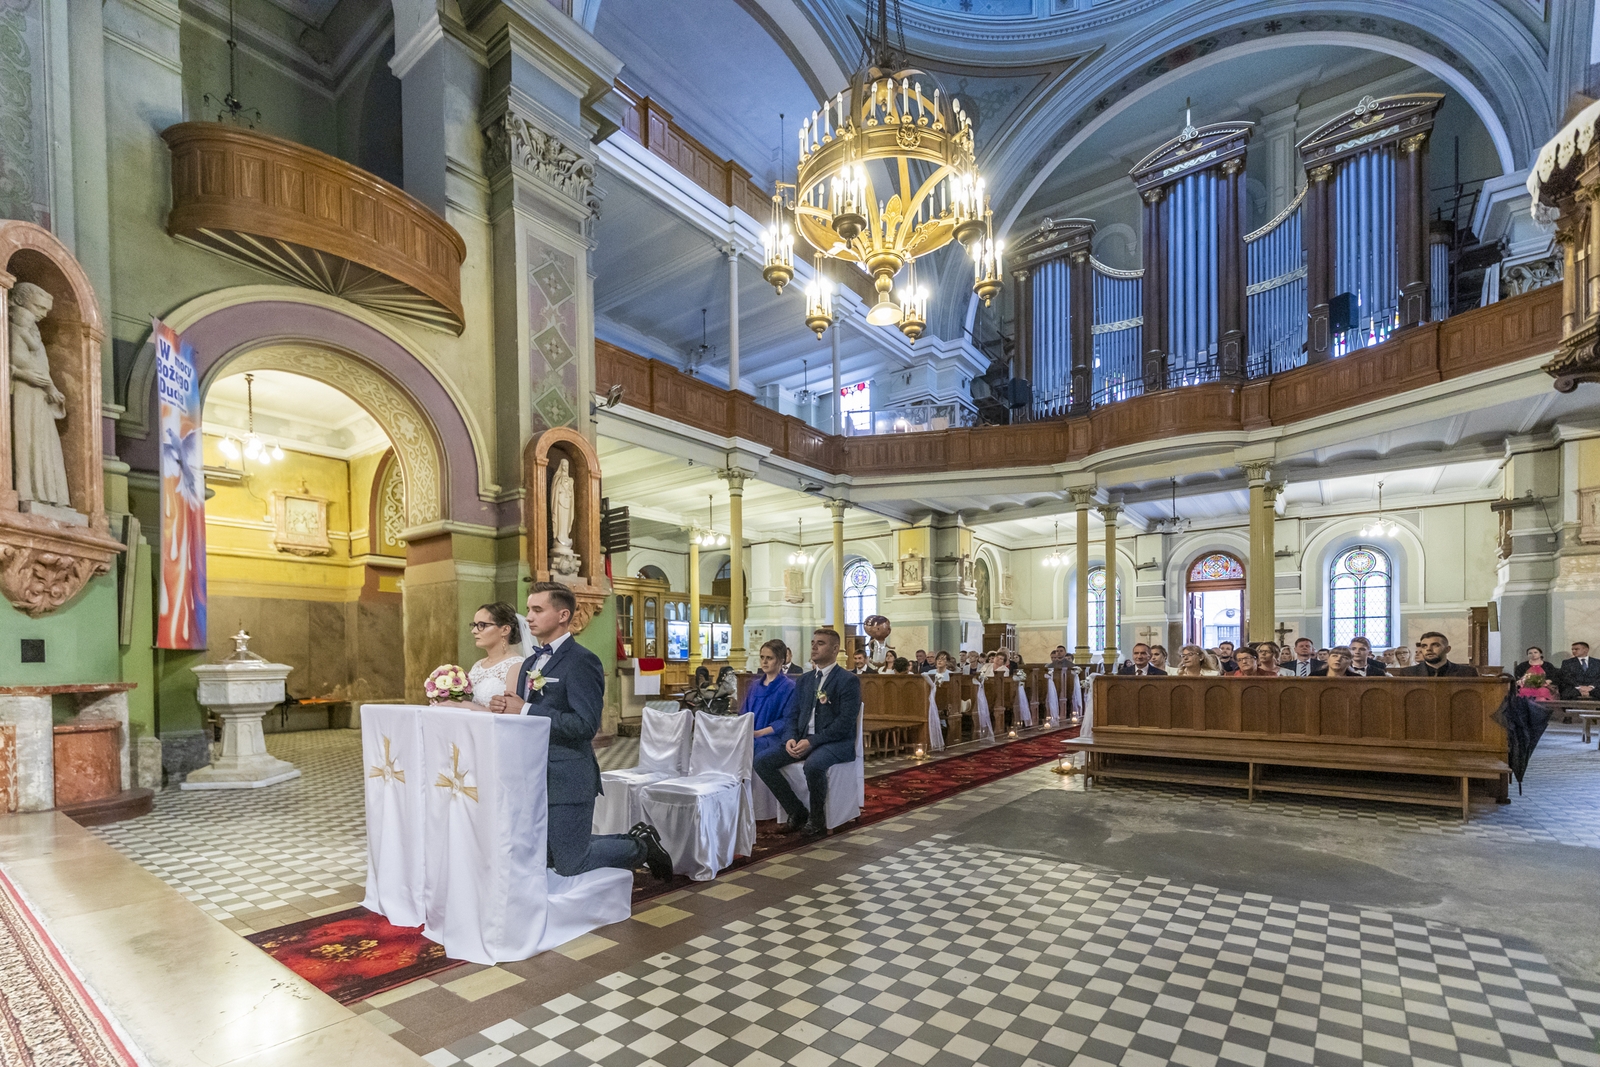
{"x": 1233, "y": 166}
{"x": 1154, "y": 195}
{"x": 1257, "y": 471}
{"x": 538, "y": 146}
{"x": 1320, "y": 174}
{"x": 735, "y": 477}
{"x": 1414, "y": 143}
{"x": 1270, "y": 491}
{"x": 837, "y": 507}
{"x": 1109, "y": 512}
{"x": 1081, "y": 497}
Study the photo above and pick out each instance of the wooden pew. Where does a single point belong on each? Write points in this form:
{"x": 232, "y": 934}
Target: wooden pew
{"x": 896, "y": 707}
{"x": 1409, "y": 740}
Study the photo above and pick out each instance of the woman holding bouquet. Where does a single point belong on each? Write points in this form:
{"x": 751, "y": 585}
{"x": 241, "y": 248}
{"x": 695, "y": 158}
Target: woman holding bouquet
{"x": 1536, "y": 679}
{"x": 497, "y": 629}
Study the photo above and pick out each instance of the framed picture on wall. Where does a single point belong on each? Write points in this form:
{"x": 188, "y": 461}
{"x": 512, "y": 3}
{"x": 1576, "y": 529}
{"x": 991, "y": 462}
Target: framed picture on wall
{"x": 910, "y": 574}
{"x": 300, "y": 524}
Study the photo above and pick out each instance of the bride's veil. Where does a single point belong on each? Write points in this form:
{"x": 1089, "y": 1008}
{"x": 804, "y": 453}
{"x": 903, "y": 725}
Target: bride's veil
{"x": 525, "y": 635}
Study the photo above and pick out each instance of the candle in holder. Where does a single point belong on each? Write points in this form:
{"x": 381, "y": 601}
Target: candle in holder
{"x": 920, "y": 753}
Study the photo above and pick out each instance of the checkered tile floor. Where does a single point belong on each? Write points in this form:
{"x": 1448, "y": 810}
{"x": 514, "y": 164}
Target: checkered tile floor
{"x": 252, "y": 853}
{"x": 1560, "y": 802}
{"x": 941, "y": 955}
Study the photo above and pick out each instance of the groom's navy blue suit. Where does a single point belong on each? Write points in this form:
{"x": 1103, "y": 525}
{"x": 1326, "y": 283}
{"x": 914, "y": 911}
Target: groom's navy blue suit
{"x": 572, "y": 697}
{"x": 828, "y": 719}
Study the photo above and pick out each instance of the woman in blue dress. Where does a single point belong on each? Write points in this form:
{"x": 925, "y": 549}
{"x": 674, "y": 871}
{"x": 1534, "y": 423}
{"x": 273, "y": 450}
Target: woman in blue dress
{"x": 768, "y": 697}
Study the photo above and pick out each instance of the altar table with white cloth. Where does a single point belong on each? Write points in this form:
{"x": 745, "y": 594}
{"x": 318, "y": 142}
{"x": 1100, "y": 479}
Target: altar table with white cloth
{"x": 456, "y": 835}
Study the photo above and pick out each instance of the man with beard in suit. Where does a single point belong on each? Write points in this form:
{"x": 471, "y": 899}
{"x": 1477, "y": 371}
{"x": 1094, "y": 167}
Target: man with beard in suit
{"x": 820, "y": 731}
{"x": 564, "y": 682}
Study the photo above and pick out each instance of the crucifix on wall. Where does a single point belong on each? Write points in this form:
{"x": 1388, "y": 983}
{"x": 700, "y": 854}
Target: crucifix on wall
{"x": 1148, "y": 634}
{"x": 1283, "y": 632}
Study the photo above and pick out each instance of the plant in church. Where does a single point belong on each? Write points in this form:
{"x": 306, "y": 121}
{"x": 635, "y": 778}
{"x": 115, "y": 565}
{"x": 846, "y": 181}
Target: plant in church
{"x": 448, "y": 682}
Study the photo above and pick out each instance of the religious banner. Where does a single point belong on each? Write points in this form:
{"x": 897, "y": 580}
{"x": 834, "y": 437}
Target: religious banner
{"x": 181, "y": 622}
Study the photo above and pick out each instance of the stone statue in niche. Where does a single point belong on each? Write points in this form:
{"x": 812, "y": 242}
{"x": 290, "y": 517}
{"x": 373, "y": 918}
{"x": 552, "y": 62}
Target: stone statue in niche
{"x": 40, "y": 472}
{"x": 564, "y": 561}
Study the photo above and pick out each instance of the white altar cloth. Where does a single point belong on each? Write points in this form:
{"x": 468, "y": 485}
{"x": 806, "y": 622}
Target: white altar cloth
{"x": 456, "y": 835}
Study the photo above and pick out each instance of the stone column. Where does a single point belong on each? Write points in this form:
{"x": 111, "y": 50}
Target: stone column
{"x": 1154, "y": 291}
{"x": 1080, "y": 500}
{"x": 833, "y": 408}
{"x": 1410, "y": 224}
{"x": 733, "y": 330}
{"x": 837, "y": 508}
{"x": 1108, "y": 515}
{"x": 1081, "y": 324}
{"x": 736, "y": 479}
{"x": 1317, "y": 236}
{"x": 694, "y": 600}
{"x": 1260, "y": 583}
{"x": 1231, "y": 316}
{"x": 447, "y": 576}
{"x": 1567, "y": 239}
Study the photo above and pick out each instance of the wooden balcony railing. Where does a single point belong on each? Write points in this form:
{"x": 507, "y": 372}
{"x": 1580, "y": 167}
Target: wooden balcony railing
{"x": 1511, "y": 330}
{"x": 314, "y": 220}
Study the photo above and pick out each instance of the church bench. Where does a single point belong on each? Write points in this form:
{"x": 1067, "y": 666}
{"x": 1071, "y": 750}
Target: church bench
{"x": 896, "y": 712}
{"x": 1407, "y": 740}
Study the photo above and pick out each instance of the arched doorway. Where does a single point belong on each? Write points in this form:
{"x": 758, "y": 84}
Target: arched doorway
{"x": 1215, "y": 600}
{"x": 307, "y": 499}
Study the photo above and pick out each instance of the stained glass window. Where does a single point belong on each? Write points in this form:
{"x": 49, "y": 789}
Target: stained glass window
{"x": 1360, "y": 591}
{"x": 860, "y": 592}
{"x": 1217, "y": 567}
{"x": 1097, "y": 609}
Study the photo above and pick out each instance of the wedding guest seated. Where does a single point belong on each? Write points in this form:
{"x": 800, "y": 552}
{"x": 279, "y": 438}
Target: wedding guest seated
{"x": 1402, "y": 657}
{"x": 768, "y": 697}
{"x": 1581, "y": 673}
{"x": 1244, "y": 662}
{"x": 1435, "y": 656}
{"x": 1388, "y": 659}
{"x": 995, "y": 665}
{"x": 1158, "y": 657}
{"x": 1267, "y": 658}
{"x": 921, "y": 663}
{"x": 1225, "y": 661}
{"x": 1536, "y": 679}
{"x": 1339, "y": 665}
{"x": 820, "y": 731}
{"x": 1304, "y": 663}
{"x": 1535, "y": 663}
{"x": 1192, "y": 663}
{"x": 1363, "y": 662}
{"x": 859, "y": 664}
{"x": 790, "y": 667}
{"x": 941, "y": 668}
{"x": 902, "y": 665}
{"x": 1140, "y": 663}
{"x": 1057, "y": 654}
{"x": 1322, "y": 655}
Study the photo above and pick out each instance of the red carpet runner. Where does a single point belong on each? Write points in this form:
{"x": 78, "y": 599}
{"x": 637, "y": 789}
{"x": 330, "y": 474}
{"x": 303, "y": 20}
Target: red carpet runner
{"x": 47, "y": 1017}
{"x": 355, "y": 954}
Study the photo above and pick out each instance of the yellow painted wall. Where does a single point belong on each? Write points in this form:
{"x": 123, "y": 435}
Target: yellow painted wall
{"x": 1588, "y": 463}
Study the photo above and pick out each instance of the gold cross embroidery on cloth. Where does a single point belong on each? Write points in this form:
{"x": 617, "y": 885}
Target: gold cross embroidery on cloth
{"x": 456, "y": 780}
{"x": 388, "y": 772}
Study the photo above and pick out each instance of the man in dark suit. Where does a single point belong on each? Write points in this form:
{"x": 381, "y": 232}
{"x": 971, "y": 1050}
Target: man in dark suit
{"x": 819, "y": 730}
{"x": 564, "y": 682}
{"x": 1363, "y": 663}
{"x": 1581, "y": 673}
{"x": 1305, "y": 662}
{"x": 1436, "y": 660}
{"x": 1141, "y": 662}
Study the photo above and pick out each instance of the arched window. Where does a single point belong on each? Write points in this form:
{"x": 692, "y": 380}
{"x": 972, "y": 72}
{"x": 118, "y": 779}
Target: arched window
{"x": 1217, "y": 567}
{"x": 860, "y": 592}
{"x": 1097, "y": 609}
{"x": 1360, "y": 595}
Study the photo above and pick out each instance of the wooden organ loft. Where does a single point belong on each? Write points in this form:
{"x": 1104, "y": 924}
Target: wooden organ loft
{"x": 1346, "y": 264}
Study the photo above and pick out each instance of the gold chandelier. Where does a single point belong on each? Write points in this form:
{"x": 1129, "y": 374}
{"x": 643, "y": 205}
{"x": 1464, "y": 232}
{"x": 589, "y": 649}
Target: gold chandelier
{"x": 886, "y": 175}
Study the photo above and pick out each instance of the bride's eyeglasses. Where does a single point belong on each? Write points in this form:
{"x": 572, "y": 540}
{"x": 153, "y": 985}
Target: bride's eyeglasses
{"x": 477, "y": 626}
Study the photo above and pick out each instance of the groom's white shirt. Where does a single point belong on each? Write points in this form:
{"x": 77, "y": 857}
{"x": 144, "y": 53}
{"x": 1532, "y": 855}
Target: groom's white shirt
{"x": 539, "y": 664}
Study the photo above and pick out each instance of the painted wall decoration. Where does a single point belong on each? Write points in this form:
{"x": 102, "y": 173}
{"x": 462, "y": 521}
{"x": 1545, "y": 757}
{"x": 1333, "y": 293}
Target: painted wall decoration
{"x": 181, "y": 622}
{"x": 24, "y": 121}
{"x": 553, "y": 324}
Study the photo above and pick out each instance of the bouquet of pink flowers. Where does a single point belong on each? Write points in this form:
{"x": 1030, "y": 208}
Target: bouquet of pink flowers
{"x": 448, "y": 682}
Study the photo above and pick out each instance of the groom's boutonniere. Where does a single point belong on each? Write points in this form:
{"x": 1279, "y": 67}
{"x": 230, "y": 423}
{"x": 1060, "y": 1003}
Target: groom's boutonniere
{"x": 822, "y": 698}
{"x": 536, "y": 681}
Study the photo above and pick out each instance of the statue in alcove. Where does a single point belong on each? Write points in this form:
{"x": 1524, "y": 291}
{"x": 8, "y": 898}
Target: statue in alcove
{"x": 40, "y": 472}
{"x": 564, "y": 561}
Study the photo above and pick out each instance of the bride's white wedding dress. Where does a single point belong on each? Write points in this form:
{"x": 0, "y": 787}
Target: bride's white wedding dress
{"x": 490, "y": 682}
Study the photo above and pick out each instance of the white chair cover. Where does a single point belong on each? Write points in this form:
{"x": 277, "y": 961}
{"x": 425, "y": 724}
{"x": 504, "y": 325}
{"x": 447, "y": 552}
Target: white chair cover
{"x": 708, "y": 816}
{"x": 766, "y": 805}
{"x": 847, "y": 783}
{"x": 1086, "y": 729}
{"x": 935, "y": 734}
{"x": 1077, "y": 695}
{"x": 985, "y": 723}
{"x": 1052, "y": 698}
{"x": 1024, "y": 708}
{"x": 664, "y": 737}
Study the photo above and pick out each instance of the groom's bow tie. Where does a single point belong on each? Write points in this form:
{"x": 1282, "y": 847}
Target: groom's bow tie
{"x": 541, "y": 650}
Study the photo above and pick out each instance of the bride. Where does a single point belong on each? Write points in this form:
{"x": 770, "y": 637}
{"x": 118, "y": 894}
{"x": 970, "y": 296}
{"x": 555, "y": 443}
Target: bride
{"x": 502, "y": 634}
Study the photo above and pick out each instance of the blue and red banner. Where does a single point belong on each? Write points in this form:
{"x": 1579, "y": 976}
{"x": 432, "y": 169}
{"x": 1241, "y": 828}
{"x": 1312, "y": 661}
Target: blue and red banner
{"x": 181, "y": 622}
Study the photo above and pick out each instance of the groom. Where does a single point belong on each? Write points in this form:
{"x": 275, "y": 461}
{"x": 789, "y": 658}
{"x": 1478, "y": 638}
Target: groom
{"x": 564, "y": 682}
{"x": 819, "y": 730}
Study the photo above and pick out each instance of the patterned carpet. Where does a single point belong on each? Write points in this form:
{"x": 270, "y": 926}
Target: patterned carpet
{"x": 47, "y": 1017}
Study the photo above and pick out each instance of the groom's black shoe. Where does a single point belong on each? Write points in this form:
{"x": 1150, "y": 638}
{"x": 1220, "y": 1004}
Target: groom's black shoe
{"x": 795, "y": 824}
{"x": 657, "y": 858}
